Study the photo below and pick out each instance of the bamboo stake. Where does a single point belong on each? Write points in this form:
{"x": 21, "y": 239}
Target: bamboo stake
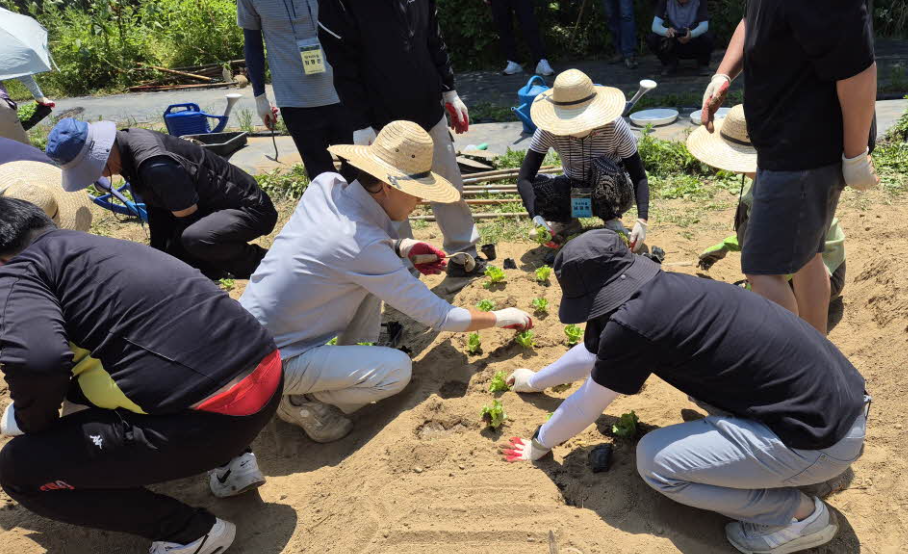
{"x": 483, "y": 201}
{"x": 175, "y": 72}
{"x": 475, "y": 216}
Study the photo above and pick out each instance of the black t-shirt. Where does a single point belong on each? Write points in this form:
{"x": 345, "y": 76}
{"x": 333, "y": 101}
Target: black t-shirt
{"x": 794, "y": 52}
{"x": 734, "y": 350}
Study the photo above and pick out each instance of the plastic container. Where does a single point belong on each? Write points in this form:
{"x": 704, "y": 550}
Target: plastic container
{"x": 222, "y": 144}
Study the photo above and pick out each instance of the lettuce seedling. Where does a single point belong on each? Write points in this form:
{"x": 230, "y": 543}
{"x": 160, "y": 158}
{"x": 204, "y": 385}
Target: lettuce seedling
{"x": 498, "y": 383}
{"x": 540, "y": 305}
{"x": 495, "y": 275}
{"x": 227, "y": 284}
{"x": 493, "y": 415}
{"x": 485, "y": 306}
{"x": 543, "y": 236}
{"x": 626, "y": 426}
{"x": 474, "y": 345}
{"x": 525, "y": 339}
{"x": 543, "y": 273}
{"x": 574, "y": 334}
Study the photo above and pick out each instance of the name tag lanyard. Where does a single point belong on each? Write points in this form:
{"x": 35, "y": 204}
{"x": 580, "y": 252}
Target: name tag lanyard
{"x": 311, "y": 53}
{"x": 581, "y": 197}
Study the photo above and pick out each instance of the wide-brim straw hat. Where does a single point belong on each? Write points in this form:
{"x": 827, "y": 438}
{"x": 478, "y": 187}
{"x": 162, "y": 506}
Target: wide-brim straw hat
{"x": 728, "y": 147}
{"x": 401, "y": 156}
{"x": 41, "y": 184}
{"x": 575, "y": 105}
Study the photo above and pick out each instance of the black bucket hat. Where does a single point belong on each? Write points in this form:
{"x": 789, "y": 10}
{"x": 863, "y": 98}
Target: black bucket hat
{"x": 597, "y": 274}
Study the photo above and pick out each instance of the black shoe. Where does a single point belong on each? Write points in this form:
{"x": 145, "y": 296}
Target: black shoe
{"x": 630, "y": 63}
{"x": 458, "y": 270}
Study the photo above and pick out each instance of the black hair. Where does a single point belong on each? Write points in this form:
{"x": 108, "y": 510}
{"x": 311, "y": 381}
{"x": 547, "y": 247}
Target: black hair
{"x": 18, "y": 222}
{"x": 368, "y": 181}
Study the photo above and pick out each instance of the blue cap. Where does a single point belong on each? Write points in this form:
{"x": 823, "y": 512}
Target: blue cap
{"x": 81, "y": 149}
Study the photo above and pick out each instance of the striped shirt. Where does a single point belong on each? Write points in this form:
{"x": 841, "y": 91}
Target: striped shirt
{"x": 614, "y": 140}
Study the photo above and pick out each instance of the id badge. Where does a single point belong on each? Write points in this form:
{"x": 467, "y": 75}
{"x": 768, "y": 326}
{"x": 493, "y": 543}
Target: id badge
{"x": 581, "y": 202}
{"x": 312, "y": 56}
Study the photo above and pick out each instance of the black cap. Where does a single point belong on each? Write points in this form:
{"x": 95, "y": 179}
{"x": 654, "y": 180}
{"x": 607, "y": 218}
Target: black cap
{"x": 598, "y": 273}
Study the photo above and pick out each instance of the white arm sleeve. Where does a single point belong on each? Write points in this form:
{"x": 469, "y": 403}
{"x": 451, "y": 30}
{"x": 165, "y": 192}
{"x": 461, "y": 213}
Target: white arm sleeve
{"x": 575, "y": 414}
{"x": 457, "y": 320}
{"x": 32, "y": 85}
{"x": 659, "y": 27}
{"x": 575, "y": 365}
{"x": 699, "y": 29}
{"x": 8, "y": 424}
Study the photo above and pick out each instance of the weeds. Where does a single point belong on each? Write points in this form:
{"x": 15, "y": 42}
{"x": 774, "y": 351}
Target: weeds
{"x": 246, "y": 121}
{"x": 287, "y": 185}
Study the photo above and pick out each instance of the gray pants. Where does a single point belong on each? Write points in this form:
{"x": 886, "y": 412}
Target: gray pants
{"x": 739, "y": 467}
{"x": 455, "y": 220}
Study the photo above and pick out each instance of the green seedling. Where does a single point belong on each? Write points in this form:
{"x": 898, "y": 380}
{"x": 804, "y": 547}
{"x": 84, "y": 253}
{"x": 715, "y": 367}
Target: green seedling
{"x": 543, "y": 236}
{"x": 499, "y": 383}
{"x": 543, "y": 273}
{"x": 495, "y": 275}
{"x": 485, "y": 306}
{"x": 549, "y": 415}
{"x": 493, "y": 415}
{"x": 332, "y": 342}
{"x": 474, "y": 345}
{"x": 227, "y": 284}
{"x": 626, "y": 426}
{"x": 525, "y": 339}
{"x": 540, "y": 305}
{"x": 574, "y": 334}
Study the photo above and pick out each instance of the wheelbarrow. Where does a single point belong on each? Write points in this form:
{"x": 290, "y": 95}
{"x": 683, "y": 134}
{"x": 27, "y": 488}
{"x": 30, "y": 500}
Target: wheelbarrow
{"x": 125, "y": 206}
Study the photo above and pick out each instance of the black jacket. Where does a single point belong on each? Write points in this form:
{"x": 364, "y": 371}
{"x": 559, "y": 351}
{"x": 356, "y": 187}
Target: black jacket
{"x": 161, "y": 337}
{"x": 389, "y": 58}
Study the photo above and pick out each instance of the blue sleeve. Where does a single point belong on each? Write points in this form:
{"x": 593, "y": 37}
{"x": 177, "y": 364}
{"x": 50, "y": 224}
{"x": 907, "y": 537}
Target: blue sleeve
{"x": 699, "y": 29}
{"x": 659, "y": 27}
{"x": 254, "y": 52}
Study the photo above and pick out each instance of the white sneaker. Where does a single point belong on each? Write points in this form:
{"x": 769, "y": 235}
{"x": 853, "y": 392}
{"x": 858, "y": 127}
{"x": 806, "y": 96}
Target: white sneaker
{"x": 322, "y": 422}
{"x": 513, "y": 68}
{"x": 240, "y": 475}
{"x": 216, "y": 541}
{"x": 816, "y": 530}
{"x": 543, "y": 68}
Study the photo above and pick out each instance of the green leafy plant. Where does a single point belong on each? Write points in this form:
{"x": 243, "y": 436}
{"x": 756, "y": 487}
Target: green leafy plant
{"x": 540, "y": 305}
{"x": 485, "y": 305}
{"x": 493, "y": 415}
{"x": 499, "y": 382}
{"x": 474, "y": 343}
{"x": 543, "y": 273}
{"x": 573, "y": 333}
{"x": 227, "y": 284}
{"x": 495, "y": 275}
{"x": 332, "y": 342}
{"x": 543, "y": 235}
{"x": 626, "y": 426}
{"x": 525, "y": 339}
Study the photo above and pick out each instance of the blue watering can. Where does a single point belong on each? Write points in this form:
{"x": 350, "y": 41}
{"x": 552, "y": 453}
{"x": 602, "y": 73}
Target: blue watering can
{"x": 525, "y": 95}
{"x": 189, "y": 119}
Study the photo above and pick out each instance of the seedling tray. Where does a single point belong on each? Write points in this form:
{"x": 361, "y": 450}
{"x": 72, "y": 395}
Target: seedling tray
{"x": 222, "y": 144}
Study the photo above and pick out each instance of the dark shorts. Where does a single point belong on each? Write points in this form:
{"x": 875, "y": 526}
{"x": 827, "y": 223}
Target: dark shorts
{"x": 791, "y": 213}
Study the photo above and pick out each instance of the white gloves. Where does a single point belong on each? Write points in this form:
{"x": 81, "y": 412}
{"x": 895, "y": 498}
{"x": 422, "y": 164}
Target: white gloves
{"x": 8, "y": 424}
{"x": 713, "y": 98}
{"x": 512, "y": 318}
{"x": 859, "y": 171}
{"x": 364, "y": 137}
{"x": 460, "y": 117}
{"x": 540, "y": 221}
{"x": 524, "y": 450}
{"x": 638, "y": 235}
{"x": 520, "y": 380}
{"x": 267, "y": 112}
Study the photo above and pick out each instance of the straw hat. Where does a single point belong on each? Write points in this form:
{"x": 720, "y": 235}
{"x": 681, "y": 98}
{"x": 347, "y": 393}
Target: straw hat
{"x": 40, "y": 184}
{"x": 574, "y": 105}
{"x": 401, "y": 156}
{"x": 728, "y": 147}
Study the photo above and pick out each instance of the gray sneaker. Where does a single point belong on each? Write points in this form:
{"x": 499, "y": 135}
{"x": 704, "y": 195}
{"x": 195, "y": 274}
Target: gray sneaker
{"x": 816, "y": 530}
{"x": 322, "y": 422}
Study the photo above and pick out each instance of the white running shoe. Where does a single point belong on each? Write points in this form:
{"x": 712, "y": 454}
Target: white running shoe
{"x": 543, "y": 68}
{"x": 322, "y": 422}
{"x": 240, "y": 475}
{"x": 216, "y": 541}
{"x": 816, "y": 530}
{"x": 513, "y": 68}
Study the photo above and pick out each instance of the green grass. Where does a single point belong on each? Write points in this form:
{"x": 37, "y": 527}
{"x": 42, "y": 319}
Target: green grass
{"x": 284, "y": 185}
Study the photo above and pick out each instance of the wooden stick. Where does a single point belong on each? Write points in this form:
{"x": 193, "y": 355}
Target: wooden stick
{"x": 475, "y": 216}
{"x": 496, "y": 178}
{"x": 484, "y": 201}
{"x": 158, "y": 88}
{"x": 175, "y": 72}
{"x": 505, "y": 170}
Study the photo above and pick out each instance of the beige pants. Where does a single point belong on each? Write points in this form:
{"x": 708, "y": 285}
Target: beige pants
{"x": 10, "y": 127}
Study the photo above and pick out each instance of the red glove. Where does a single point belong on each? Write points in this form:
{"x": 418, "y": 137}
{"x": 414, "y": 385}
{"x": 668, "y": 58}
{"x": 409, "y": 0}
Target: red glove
{"x": 460, "y": 116}
{"x": 713, "y": 99}
{"x": 427, "y": 259}
{"x": 47, "y": 102}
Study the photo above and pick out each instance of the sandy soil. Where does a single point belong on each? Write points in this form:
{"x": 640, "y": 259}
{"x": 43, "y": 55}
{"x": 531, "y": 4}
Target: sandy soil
{"x": 419, "y": 473}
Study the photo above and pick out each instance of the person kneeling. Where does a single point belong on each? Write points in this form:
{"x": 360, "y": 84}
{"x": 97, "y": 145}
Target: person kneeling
{"x": 795, "y": 408}
{"x": 160, "y": 374}
{"x": 201, "y": 209}
{"x": 333, "y": 264}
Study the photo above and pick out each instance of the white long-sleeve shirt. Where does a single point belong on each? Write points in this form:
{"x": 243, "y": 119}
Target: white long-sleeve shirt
{"x": 336, "y": 251}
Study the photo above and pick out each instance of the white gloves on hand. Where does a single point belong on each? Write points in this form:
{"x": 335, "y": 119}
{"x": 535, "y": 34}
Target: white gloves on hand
{"x": 520, "y": 380}
{"x": 512, "y": 318}
{"x": 364, "y": 137}
{"x": 460, "y": 116}
{"x": 538, "y": 221}
{"x": 713, "y": 98}
{"x": 523, "y": 450}
{"x": 859, "y": 171}
{"x": 638, "y": 235}
{"x": 266, "y": 111}
{"x": 8, "y": 424}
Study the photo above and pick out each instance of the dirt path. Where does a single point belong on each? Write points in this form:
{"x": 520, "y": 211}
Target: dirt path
{"x": 419, "y": 474}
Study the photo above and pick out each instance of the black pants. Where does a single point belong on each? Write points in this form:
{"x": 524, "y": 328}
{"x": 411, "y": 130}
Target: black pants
{"x": 91, "y": 468}
{"x": 217, "y": 243}
{"x": 314, "y": 130}
{"x": 670, "y": 51}
{"x": 502, "y": 12}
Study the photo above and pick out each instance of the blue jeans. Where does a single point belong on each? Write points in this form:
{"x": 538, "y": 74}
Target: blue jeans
{"x": 620, "y": 14}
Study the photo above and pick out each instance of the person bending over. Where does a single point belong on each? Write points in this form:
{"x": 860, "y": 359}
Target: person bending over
{"x": 160, "y": 374}
{"x": 793, "y": 408}
{"x": 201, "y": 209}
{"x": 334, "y": 263}
{"x": 582, "y": 122}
